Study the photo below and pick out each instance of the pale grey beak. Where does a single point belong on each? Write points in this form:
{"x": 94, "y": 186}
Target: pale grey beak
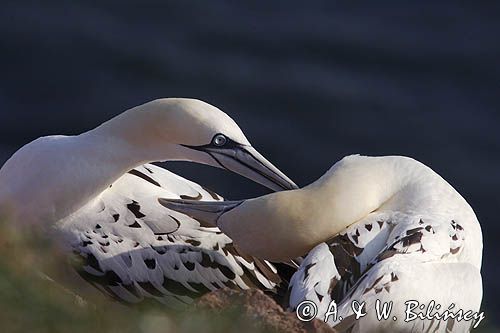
{"x": 248, "y": 162}
{"x": 206, "y": 212}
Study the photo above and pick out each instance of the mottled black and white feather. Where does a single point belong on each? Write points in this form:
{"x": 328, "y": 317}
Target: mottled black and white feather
{"x": 390, "y": 257}
{"x": 133, "y": 248}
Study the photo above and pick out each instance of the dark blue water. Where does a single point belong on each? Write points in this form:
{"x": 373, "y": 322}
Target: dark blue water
{"x": 308, "y": 82}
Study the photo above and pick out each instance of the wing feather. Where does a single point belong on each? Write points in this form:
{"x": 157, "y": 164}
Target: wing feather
{"x": 133, "y": 248}
{"x": 390, "y": 256}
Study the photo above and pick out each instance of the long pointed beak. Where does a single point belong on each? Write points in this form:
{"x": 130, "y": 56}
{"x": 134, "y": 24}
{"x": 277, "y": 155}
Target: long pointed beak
{"x": 248, "y": 162}
{"x": 206, "y": 212}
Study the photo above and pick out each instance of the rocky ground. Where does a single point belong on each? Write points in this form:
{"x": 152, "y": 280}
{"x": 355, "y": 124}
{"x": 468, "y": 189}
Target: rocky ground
{"x": 259, "y": 310}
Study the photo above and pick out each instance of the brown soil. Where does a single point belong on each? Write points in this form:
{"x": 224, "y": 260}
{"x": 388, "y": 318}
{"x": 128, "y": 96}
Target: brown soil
{"x": 260, "y": 309}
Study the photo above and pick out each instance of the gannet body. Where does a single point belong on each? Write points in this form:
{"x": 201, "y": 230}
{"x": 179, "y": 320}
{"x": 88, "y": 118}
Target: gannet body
{"x": 372, "y": 228}
{"x": 402, "y": 258}
{"x": 97, "y": 195}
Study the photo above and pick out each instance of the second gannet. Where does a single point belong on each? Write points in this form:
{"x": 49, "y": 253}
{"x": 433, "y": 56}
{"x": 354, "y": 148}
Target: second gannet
{"x": 381, "y": 229}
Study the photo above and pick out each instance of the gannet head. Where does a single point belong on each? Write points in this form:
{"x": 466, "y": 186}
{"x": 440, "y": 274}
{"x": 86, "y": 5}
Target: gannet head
{"x": 192, "y": 130}
{"x": 275, "y": 227}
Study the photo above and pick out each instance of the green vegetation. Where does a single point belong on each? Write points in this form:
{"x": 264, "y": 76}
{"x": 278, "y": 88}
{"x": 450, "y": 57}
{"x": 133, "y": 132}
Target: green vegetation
{"x": 31, "y": 302}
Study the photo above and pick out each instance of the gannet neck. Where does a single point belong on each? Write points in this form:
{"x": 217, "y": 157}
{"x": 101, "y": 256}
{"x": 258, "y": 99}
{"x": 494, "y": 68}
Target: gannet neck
{"x": 52, "y": 177}
{"x": 275, "y": 226}
{"x": 358, "y": 185}
{"x": 285, "y": 225}
{"x": 133, "y": 146}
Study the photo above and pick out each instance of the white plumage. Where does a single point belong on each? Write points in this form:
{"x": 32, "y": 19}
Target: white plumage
{"x": 424, "y": 243}
{"x": 388, "y": 228}
{"x": 133, "y": 248}
{"x": 99, "y": 194}
{"x": 401, "y": 258}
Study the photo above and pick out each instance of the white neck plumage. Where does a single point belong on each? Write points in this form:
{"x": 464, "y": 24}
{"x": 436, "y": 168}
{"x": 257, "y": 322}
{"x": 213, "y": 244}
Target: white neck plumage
{"x": 71, "y": 171}
{"x": 295, "y": 221}
{"x": 285, "y": 225}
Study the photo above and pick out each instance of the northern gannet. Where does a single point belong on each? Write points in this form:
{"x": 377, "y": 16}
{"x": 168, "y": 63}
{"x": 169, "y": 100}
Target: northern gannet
{"x": 100, "y": 195}
{"x": 380, "y": 228}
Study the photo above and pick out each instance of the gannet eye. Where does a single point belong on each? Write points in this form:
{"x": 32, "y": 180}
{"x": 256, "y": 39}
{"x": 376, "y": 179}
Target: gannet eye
{"x": 219, "y": 140}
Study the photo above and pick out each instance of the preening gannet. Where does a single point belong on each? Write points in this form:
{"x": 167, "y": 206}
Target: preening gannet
{"x": 100, "y": 195}
{"x": 380, "y": 228}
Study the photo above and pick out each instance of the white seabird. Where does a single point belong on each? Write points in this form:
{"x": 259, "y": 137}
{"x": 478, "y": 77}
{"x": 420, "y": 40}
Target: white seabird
{"x": 380, "y": 228}
{"x": 99, "y": 193}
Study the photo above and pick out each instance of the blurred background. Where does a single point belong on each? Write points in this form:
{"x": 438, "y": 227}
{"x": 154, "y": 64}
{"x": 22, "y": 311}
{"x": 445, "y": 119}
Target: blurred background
{"x": 308, "y": 82}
